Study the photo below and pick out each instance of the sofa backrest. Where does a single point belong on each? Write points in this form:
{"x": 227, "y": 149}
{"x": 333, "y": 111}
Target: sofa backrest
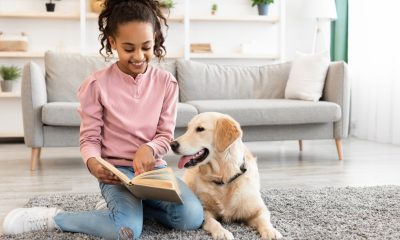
{"x": 65, "y": 72}
{"x": 199, "y": 81}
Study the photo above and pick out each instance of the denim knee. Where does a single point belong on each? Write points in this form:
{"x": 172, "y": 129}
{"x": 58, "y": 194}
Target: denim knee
{"x": 189, "y": 216}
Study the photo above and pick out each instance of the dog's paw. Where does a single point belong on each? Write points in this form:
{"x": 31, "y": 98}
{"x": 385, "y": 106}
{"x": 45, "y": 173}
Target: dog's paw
{"x": 222, "y": 234}
{"x": 271, "y": 234}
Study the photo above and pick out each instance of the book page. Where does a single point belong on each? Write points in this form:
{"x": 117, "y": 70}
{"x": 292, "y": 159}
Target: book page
{"x": 161, "y": 178}
{"x": 114, "y": 170}
{"x": 145, "y": 192}
{"x": 154, "y": 183}
{"x": 162, "y": 173}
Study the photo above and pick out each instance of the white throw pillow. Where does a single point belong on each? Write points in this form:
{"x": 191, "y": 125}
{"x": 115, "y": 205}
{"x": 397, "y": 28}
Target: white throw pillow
{"x": 307, "y": 76}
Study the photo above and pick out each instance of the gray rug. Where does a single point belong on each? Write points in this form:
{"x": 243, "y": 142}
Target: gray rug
{"x": 326, "y": 213}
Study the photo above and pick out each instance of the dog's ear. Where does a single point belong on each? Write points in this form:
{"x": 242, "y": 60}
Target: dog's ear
{"x": 226, "y": 132}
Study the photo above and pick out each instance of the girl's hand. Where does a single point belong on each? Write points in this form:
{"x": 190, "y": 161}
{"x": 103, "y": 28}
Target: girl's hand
{"x": 102, "y": 174}
{"x": 144, "y": 160}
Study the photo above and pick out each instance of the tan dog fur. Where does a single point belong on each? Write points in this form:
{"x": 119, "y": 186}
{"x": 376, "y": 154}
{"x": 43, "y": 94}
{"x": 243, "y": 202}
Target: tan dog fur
{"x": 239, "y": 200}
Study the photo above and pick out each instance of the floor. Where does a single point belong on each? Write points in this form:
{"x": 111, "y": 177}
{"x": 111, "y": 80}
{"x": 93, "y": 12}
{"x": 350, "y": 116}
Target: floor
{"x": 281, "y": 165}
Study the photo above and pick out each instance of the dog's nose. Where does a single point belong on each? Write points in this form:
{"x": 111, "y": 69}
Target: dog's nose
{"x": 174, "y": 146}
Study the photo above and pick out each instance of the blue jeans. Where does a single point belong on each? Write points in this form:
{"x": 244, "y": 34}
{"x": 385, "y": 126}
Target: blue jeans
{"x": 126, "y": 212}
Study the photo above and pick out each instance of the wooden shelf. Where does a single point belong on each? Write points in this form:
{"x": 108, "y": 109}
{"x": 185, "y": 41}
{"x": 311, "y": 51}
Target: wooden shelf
{"x": 249, "y": 18}
{"x": 40, "y": 15}
{"x": 233, "y": 56}
{"x": 62, "y": 15}
{"x": 172, "y": 18}
{"x": 10, "y": 94}
{"x": 21, "y": 54}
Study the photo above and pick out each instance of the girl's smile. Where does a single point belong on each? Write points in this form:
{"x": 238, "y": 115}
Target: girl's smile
{"x": 134, "y": 43}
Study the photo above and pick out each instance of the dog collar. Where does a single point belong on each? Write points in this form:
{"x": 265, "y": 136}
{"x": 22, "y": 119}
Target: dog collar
{"x": 243, "y": 169}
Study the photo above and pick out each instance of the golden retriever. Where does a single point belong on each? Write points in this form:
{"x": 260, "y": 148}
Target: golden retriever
{"x": 223, "y": 174}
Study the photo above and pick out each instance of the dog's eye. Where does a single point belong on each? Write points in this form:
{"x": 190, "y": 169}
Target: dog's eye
{"x": 199, "y": 129}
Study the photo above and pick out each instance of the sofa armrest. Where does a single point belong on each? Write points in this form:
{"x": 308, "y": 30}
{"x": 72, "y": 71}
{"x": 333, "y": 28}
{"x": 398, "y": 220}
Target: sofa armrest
{"x": 337, "y": 90}
{"x": 33, "y": 97}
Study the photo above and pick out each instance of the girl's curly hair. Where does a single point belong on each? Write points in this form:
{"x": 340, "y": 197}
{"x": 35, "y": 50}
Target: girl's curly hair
{"x": 116, "y": 12}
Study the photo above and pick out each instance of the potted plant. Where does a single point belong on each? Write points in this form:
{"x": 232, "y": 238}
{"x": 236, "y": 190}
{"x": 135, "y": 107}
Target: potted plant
{"x": 9, "y": 74}
{"x": 262, "y": 6}
{"x": 50, "y": 6}
{"x": 167, "y": 4}
{"x": 214, "y": 8}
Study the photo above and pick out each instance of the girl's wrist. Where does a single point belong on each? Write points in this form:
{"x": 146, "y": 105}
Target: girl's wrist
{"x": 150, "y": 149}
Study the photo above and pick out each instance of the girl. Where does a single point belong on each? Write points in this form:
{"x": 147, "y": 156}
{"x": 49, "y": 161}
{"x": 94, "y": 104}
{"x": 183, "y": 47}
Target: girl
{"x": 128, "y": 113}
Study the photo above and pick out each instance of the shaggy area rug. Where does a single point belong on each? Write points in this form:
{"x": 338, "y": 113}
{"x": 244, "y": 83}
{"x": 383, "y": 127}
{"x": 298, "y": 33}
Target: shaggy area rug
{"x": 325, "y": 213}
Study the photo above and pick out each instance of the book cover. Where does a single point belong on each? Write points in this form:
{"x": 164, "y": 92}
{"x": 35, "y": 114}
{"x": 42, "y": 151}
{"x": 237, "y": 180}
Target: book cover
{"x": 160, "y": 184}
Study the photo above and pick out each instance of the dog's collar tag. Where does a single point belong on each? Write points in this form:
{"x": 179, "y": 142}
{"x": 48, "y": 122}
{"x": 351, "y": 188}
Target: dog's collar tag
{"x": 243, "y": 169}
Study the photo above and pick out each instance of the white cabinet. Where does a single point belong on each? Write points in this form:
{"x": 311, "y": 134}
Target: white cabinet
{"x": 10, "y": 115}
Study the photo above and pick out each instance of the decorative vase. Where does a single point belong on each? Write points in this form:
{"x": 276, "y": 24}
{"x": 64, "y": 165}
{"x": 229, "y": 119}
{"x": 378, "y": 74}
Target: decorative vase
{"x": 7, "y": 85}
{"x": 263, "y": 9}
{"x": 96, "y": 5}
{"x": 50, "y": 7}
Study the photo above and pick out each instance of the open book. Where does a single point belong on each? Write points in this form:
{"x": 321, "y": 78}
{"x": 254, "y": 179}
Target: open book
{"x": 157, "y": 184}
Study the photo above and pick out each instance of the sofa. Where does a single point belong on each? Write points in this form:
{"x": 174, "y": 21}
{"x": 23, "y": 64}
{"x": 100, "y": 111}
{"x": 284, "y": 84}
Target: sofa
{"x": 253, "y": 95}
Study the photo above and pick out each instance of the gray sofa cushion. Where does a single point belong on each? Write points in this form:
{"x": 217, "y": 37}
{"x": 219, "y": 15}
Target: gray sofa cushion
{"x": 185, "y": 113}
{"x": 273, "y": 81}
{"x": 61, "y": 114}
{"x": 65, "y": 114}
{"x": 201, "y": 81}
{"x": 256, "y": 112}
{"x": 66, "y": 71}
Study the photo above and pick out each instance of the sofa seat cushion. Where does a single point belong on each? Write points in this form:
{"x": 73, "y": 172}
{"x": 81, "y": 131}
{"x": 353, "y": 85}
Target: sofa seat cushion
{"x": 185, "y": 113}
{"x": 66, "y": 114}
{"x": 256, "y": 112}
{"x": 61, "y": 114}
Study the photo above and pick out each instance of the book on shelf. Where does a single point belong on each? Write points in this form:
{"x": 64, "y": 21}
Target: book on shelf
{"x": 159, "y": 184}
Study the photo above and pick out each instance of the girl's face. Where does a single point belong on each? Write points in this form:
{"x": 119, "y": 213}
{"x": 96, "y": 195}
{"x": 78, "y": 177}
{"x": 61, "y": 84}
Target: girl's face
{"x": 134, "y": 42}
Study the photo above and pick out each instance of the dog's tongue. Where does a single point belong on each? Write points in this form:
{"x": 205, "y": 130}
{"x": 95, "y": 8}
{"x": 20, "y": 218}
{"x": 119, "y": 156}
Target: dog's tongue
{"x": 184, "y": 160}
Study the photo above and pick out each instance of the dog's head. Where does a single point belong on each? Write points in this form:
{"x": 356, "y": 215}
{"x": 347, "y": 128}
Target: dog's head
{"x": 207, "y": 134}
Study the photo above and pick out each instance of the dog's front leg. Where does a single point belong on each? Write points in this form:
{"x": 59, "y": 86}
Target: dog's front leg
{"x": 264, "y": 226}
{"x": 215, "y": 228}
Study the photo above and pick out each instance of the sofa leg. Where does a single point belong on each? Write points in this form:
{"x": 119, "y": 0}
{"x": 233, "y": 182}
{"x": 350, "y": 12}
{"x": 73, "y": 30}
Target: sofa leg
{"x": 35, "y": 157}
{"x": 339, "y": 148}
{"x": 301, "y": 145}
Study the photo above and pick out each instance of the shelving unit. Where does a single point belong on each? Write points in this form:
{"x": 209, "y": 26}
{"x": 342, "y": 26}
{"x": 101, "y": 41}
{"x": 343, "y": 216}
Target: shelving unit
{"x": 186, "y": 19}
{"x": 21, "y": 54}
{"x": 10, "y": 94}
{"x": 39, "y": 15}
{"x": 249, "y": 18}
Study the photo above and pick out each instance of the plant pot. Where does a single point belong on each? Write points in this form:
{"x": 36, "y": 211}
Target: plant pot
{"x": 7, "y": 85}
{"x": 50, "y": 7}
{"x": 262, "y": 9}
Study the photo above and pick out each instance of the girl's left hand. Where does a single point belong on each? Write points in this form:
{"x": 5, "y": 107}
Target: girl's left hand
{"x": 144, "y": 160}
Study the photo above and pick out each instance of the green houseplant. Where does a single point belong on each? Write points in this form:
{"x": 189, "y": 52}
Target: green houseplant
{"x": 262, "y": 6}
{"x": 8, "y": 74}
{"x": 168, "y": 4}
{"x": 214, "y": 8}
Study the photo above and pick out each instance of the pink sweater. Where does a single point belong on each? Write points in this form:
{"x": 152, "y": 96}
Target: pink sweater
{"x": 119, "y": 113}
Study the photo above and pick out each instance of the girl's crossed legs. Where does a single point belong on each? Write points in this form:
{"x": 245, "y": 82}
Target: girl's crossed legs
{"x": 124, "y": 217}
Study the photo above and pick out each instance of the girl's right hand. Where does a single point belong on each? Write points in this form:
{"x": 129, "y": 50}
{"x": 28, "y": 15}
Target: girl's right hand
{"x": 102, "y": 174}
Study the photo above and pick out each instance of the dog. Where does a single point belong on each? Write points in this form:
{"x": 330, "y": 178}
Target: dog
{"x": 223, "y": 173}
